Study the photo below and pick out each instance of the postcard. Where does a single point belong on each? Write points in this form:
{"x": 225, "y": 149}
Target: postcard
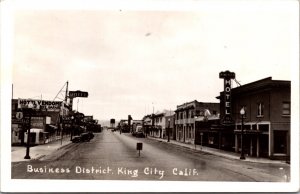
{"x": 150, "y": 96}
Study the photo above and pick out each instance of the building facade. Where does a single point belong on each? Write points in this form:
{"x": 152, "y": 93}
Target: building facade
{"x": 170, "y": 126}
{"x": 266, "y": 122}
{"x": 44, "y": 120}
{"x": 185, "y": 118}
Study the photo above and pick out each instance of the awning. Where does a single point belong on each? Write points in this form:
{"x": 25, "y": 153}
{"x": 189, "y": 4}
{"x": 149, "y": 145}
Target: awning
{"x": 34, "y": 130}
{"x": 247, "y": 131}
{"x": 52, "y": 126}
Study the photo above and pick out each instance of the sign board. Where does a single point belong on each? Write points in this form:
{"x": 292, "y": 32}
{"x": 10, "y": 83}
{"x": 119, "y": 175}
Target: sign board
{"x": 227, "y": 76}
{"x": 24, "y": 120}
{"x": 19, "y": 115}
{"x": 42, "y": 105}
{"x": 67, "y": 120}
{"x": 37, "y": 122}
{"x": 78, "y": 93}
{"x": 139, "y": 146}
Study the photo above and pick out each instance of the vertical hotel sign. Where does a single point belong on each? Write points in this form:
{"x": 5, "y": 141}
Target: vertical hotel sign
{"x": 227, "y": 76}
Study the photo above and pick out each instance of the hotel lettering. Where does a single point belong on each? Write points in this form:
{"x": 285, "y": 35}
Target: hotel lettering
{"x": 227, "y": 76}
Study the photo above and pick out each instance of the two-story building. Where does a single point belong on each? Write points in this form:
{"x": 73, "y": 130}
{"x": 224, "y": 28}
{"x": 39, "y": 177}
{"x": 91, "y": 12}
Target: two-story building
{"x": 158, "y": 126}
{"x": 185, "y": 118}
{"x": 266, "y": 119}
{"x": 169, "y": 130}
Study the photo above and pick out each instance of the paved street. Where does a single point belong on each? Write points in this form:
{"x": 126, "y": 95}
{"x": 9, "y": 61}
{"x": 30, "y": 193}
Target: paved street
{"x": 113, "y": 156}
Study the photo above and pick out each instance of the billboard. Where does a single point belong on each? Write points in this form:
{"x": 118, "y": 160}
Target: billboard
{"x": 43, "y": 105}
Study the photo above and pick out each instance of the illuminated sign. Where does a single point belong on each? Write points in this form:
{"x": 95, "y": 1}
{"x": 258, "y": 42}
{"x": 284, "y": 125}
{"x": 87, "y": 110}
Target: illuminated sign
{"x": 227, "y": 76}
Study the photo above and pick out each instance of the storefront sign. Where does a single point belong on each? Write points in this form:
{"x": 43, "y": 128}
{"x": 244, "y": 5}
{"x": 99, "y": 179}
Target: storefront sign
{"x": 37, "y": 122}
{"x": 227, "y": 76}
{"x": 24, "y": 120}
{"x": 40, "y": 104}
{"x": 67, "y": 120}
{"x": 78, "y": 93}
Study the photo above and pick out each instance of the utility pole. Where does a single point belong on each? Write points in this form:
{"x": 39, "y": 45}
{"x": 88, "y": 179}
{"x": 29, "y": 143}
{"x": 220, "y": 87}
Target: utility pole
{"x": 66, "y": 96}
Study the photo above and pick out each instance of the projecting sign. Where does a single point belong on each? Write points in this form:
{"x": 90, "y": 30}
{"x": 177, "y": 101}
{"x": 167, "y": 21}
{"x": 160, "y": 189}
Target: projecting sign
{"x": 19, "y": 115}
{"x": 227, "y": 76}
{"x": 78, "y": 93}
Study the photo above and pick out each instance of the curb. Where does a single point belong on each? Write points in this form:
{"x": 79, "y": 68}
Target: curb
{"x": 222, "y": 155}
{"x": 39, "y": 157}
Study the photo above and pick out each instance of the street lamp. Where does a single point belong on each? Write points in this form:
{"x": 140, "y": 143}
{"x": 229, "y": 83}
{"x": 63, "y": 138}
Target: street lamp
{"x": 29, "y": 110}
{"x": 242, "y": 112}
{"x": 169, "y": 130}
{"x": 72, "y": 120}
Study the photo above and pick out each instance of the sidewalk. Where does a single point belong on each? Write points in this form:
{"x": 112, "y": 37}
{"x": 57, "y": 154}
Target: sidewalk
{"x": 222, "y": 153}
{"x": 39, "y": 151}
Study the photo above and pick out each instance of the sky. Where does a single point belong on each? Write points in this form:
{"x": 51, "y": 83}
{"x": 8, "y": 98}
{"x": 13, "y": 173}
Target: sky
{"x": 139, "y": 61}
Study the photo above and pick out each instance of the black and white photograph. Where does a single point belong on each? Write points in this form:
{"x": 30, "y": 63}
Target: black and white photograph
{"x": 150, "y": 96}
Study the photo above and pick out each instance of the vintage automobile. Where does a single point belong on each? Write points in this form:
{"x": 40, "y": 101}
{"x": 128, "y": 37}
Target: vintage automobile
{"x": 87, "y": 136}
{"x": 139, "y": 131}
{"x": 84, "y": 137}
{"x": 76, "y": 139}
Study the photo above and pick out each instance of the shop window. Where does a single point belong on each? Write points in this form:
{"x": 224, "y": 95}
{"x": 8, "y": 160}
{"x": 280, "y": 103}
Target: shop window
{"x": 286, "y": 108}
{"x": 263, "y": 128}
{"x": 254, "y": 127}
{"x": 280, "y": 142}
{"x": 247, "y": 127}
{"x": 260, "y": 109}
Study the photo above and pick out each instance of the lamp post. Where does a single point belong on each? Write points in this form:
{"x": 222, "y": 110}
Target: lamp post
{"x": 72, "y": 120}
{"x": 168, "y": 129}
{"x": 29, "y": 111}
{"x": 242, "y": 112}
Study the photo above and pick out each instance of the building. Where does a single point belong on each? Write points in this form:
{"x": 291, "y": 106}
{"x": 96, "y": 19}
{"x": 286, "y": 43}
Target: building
{"x": 159, "y": 125}
{"x": 185, "y": 118}
{"x": 170, "y": 125}
{"x": 266, "y": 122}
{"x": 44, "y": 120}
{"x": 147, "y": 124}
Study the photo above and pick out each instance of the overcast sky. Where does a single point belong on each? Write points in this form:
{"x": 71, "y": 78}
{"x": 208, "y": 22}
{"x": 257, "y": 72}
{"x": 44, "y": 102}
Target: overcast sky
{"x": 133, "y": 61}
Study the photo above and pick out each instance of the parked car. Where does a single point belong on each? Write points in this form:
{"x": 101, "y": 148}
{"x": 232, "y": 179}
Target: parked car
{"x": 76, "y": 139}
{"x": 83, "y": 137}
{"x": 86, "y": 136}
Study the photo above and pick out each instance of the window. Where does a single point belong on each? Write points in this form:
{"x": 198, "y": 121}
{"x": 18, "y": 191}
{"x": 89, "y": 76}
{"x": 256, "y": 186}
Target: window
{"x": 280, "y": 141}
{"x": 286, "y": 108}
{"x": 260, "y": 109}
{"x": 192, "y": 114}
{"x": 263, "y": 128}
